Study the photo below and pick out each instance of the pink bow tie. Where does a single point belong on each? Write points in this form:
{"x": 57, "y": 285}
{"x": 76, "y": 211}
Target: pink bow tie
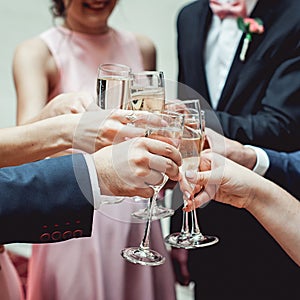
{"x": 233, "y": 9}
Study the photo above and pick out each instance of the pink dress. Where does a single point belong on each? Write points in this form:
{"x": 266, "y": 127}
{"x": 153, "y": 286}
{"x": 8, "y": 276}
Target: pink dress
{"x": 92, "y": 268}
{"x": 10, "y": 284}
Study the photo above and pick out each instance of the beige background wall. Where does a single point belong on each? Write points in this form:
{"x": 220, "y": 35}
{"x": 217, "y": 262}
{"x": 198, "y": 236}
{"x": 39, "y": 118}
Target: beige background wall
{"x": 21, "y": 19}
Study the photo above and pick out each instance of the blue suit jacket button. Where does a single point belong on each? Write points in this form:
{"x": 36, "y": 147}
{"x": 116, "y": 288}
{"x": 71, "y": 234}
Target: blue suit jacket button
{"x": 67, "y": 235}
{"x": 45, "y": 237}
{"x": 56, "y": 235}
{"x": 77, "y": 233}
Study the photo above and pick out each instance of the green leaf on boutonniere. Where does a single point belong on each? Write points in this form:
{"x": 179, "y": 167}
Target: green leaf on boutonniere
{"x": 259, "y": 21}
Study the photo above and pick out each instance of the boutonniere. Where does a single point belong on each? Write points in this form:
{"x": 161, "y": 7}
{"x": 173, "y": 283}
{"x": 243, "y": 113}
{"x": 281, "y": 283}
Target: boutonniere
{"x": 249, "y": 26}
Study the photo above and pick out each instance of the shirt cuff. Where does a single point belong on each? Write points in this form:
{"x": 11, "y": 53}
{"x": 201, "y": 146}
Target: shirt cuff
{"x": 262, "y": 160}
{"x": 94, "y": 180}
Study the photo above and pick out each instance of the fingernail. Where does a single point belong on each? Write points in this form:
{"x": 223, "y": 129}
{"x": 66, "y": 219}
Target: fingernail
{"x": 190, "y": 174}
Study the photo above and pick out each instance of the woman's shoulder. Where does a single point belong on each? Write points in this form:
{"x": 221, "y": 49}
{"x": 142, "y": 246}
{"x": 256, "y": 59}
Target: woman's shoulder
{"x": 139, "y": 44}
{"x": 34, "y": 47}
{"x": 145, "y": 43}
{"x": 148, "y": 51}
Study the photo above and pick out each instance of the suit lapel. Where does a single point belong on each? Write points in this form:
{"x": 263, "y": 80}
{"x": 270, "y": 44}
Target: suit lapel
{"x": 265, "y": 11}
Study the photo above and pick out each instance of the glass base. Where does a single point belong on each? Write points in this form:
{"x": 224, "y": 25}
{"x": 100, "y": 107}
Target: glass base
{"x": 180, "y": 240}
{"x": 145, "y": 257}
{"x": 159, "y": 212}
{"x": 204, "y": 241}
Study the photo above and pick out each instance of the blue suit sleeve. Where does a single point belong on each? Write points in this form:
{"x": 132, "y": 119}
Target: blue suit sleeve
{"x": 46, "y": 201}
{"x": 285, "y": 170}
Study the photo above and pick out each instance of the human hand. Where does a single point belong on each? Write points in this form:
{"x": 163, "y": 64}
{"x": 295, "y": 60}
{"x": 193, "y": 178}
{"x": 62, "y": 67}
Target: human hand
{"x": 223, "y": 180}
{"x": 128, "y": 168}
{"x": 99, "y": 128}
{"x": 67, "y": 103}
{"x": 231, "y": 149}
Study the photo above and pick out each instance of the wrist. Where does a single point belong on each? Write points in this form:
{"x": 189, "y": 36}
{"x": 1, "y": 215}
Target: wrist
{"x": 243, "y": 155}
{"x": 255, "y": 192}
{"x": 260, "y": 193}
{"x": 68, "y": 124}
{"x": 100, "y": 166}
{"x": 250, "y": 157}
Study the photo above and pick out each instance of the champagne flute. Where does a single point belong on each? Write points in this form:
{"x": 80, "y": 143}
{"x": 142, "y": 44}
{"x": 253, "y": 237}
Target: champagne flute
{"x": 191, "y": 147}
{"x": 113, "y": 92}
{"x": 113, "y": 85}
{"x": 147, "y": 92}
{"x": 170, "y": 130}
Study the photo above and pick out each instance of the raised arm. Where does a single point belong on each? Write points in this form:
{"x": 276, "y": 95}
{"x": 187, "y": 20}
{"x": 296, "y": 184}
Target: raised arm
{"x": 52, "y": 200}
{"x": 43, "y": 201}
{"x": 35, "y": 141}
{"x": 230, "y": 183}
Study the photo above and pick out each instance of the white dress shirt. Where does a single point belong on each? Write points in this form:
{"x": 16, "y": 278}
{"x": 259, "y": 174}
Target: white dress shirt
{"x": 262, "y": 160}
{"x": 94, "y": 180}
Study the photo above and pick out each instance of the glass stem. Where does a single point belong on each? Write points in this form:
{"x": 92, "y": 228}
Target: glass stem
{"x": 154, "y": 197}
{"x": 154, "y": 204}
{"x": 151, "y": 204}
{"x": 195, "y": 224}
{"x": 185, "y": 230}
{"x": 146, "y": 240}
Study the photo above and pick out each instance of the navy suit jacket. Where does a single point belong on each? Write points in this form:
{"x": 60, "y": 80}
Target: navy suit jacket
{"x": 285, "y": 170}
{"x": 260, "y": 106}
{"x": 46, "y": 201}
{"x": 260, "y": 102}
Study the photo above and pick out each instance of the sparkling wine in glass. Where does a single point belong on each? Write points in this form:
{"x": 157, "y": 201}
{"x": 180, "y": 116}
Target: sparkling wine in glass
{"x": 171, "y": 133}
{"x": 113, "y": 86}
{"x": 147, "y": 91}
